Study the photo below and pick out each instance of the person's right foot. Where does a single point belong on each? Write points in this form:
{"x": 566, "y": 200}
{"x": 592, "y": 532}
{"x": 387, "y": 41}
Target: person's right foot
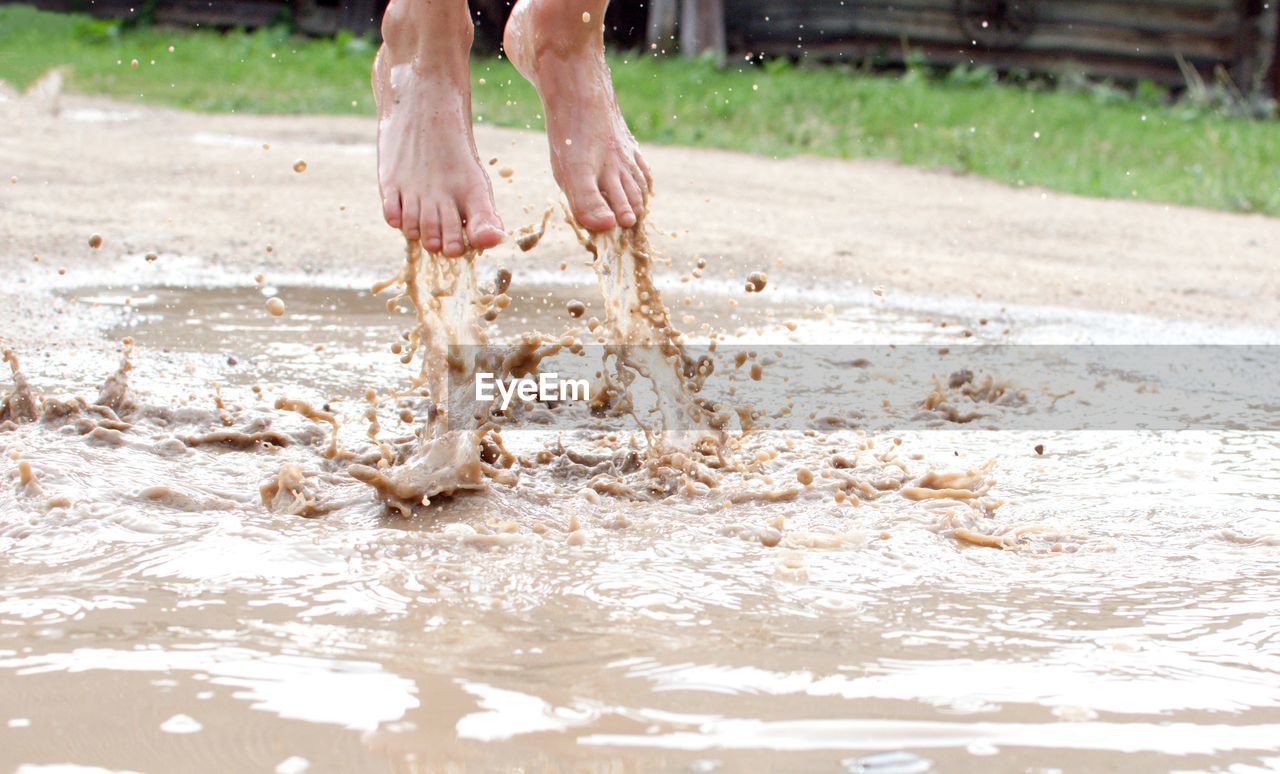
{"x": 558, "y": 45}
{"x": 433, "y": 186}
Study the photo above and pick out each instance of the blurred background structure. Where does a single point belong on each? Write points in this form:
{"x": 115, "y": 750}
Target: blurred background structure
{"x": 1231, "y": 43}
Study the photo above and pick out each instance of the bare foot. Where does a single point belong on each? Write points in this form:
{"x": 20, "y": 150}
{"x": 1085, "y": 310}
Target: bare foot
{"x": 433, "y": 187}
{"x": 558, "y": 45}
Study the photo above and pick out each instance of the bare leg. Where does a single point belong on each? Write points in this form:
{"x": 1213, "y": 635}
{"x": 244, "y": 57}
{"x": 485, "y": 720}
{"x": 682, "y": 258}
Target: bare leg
{"x": 433, "y": 187}
{"x": 558, "y": 45}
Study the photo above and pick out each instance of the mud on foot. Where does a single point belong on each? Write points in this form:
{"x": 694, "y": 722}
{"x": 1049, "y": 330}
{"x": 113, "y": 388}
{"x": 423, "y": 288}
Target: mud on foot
{"x": 559, "y": 48}
{"x": 433, "y": 186}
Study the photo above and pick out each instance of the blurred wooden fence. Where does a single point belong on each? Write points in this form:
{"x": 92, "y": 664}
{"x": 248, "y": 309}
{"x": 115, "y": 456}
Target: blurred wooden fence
{"x": 1163, "y": 40}
{"x": 317, "y": 17}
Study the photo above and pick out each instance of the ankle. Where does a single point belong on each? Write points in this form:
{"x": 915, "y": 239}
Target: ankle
{"x": 560, "y": 27}
{"x": 414, "y": 31}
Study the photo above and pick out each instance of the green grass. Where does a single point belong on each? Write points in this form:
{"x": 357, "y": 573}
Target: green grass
{"x": 1097, "y": 141}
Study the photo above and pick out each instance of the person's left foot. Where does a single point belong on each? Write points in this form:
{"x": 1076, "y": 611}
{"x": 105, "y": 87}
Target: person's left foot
{"x": 559, "y": 48}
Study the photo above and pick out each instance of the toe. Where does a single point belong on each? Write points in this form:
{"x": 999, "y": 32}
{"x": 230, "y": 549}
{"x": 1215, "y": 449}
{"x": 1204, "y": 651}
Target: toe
{"x": 451, "y": 231}
{"x": 643, "y": 166}
{"x": 611, "y": 186}
{"x": 588, "y": 205}
{"x": 391, "y": 209}
{"x": 409, "y": 217}
{"x": 431, "y": 239}
{"x": 631, "y": 183}
{"x": 483, "y": 226}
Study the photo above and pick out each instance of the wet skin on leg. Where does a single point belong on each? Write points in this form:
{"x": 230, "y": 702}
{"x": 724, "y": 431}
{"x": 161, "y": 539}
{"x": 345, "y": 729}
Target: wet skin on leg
{"x": 558, "y": 45}
{"x": 432, "y": 184}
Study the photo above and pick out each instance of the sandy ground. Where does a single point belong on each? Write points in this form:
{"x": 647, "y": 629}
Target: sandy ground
{"x": 162, "y": 180}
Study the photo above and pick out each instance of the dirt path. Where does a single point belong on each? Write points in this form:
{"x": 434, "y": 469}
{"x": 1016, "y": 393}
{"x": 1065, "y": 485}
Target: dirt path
{"x": 150, "y": 179}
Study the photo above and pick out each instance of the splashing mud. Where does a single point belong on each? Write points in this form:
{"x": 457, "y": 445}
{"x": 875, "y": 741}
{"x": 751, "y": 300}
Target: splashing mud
{"x": 21, "y": 404}
{"x": 460, "y": 450}
{"x": 450, "y": 455}
{"x": 711, "y": 562}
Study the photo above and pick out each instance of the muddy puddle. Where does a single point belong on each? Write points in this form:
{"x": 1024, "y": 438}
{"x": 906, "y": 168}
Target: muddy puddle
{"x": 1019, "y": 594}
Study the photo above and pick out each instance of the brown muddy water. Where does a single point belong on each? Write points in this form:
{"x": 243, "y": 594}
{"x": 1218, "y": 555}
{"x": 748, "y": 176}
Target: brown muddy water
{"x": 889, "y": 592}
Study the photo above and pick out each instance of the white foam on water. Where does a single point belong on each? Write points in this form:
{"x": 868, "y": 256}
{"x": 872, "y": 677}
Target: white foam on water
{"x": 869, "y": 734}
{"x": 357, "y": 695}
{"x": 181, "y": 724}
